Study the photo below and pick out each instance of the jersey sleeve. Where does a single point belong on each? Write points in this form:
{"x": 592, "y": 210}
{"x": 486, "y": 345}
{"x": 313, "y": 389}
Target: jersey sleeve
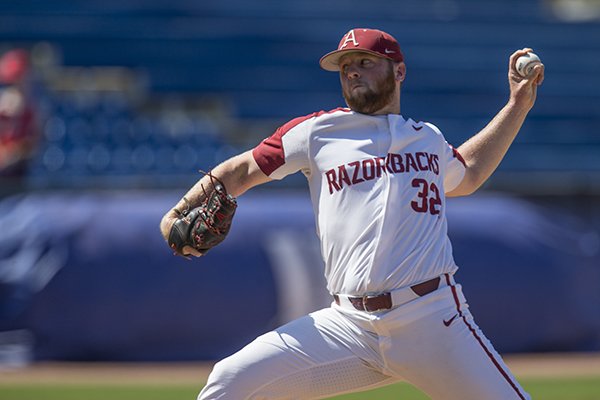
{"x": 453, "y": 164}
{"x": 285, "y": 151}
{"x": 455, "y": 168}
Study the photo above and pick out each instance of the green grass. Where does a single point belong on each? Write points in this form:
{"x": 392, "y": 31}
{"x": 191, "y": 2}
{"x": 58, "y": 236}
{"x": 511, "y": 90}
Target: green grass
{"x": 540, "y": 389}
{"x": 563, "y": 389}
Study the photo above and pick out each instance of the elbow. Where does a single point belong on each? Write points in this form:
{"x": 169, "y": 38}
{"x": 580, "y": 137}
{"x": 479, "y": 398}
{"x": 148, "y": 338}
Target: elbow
{"x": 470, "y": 190}
{"x": 470, "y": 184}
{"x": 474, "y": 184}
{"x": 461, "y": 190}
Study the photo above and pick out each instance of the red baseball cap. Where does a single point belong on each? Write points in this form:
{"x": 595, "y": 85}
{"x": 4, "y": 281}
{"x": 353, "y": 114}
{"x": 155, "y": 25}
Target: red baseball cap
{"x": 370, "y": 41}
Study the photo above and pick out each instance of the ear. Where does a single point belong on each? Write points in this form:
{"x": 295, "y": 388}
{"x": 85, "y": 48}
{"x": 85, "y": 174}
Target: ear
{"x": 400, "y": 71}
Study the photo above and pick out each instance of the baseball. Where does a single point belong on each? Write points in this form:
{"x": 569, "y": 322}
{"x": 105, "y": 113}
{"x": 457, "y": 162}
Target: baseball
{"x": 526, "y": 63}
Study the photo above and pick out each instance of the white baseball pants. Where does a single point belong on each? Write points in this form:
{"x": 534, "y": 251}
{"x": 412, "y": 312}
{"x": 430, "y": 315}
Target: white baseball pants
{"x": 431, "y": 342}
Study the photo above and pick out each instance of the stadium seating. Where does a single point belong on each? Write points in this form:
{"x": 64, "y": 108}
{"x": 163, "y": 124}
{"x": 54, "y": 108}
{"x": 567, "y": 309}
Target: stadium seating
{"x": 260, "y": 58}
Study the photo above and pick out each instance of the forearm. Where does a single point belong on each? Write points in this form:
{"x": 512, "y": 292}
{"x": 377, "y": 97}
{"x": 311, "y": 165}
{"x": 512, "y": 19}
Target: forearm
{"x": 231, "y": 173}
{"x": 238, "y": 174}
{"x": 484, "y": 151}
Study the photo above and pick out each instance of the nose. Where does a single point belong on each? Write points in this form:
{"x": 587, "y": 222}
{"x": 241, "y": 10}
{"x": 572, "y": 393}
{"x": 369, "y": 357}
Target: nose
{"x": 351, "y": 72}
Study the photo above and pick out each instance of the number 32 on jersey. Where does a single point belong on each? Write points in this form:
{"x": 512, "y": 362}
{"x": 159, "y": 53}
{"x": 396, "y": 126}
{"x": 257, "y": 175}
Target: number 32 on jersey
{"x": 428, "y": 197}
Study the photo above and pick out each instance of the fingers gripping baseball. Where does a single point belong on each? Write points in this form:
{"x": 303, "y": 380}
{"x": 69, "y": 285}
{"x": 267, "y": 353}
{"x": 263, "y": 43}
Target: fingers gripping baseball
{"x": 196, "y": 231}
{"x": 525, "y": 74}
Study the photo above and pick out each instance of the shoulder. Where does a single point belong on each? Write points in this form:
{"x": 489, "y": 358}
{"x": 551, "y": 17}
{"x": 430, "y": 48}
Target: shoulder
{"x": 313, "y": 117}
{"x": 433, "y": 128}
{"x": 427, "y": 128}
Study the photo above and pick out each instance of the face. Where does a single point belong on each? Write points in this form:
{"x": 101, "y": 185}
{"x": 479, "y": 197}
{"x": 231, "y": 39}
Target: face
{"x": 369, "y": 83}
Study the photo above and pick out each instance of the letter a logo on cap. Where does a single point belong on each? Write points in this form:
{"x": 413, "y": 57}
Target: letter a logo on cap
{"x": 349, "y": 38}
{"x": 372, "y": 41}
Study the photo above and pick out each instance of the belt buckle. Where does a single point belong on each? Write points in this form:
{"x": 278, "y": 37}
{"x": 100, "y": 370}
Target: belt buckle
{"x": 364, "y": 302}
{"x": 371, "y": 296}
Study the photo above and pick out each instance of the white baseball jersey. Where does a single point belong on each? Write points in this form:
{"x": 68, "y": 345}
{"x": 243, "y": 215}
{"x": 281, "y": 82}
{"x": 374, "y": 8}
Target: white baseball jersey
{"x": 377, "y": 185}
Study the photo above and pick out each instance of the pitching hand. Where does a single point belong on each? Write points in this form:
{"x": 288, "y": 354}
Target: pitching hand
{"x": 523, "y": 90}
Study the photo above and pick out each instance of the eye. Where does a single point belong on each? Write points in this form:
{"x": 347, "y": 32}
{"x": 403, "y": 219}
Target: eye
{"x": 365, "y": 62}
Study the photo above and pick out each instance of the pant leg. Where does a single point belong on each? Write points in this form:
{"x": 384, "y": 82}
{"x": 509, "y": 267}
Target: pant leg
{"x": 435, "y": 344}
{"x": 316, "y": 356}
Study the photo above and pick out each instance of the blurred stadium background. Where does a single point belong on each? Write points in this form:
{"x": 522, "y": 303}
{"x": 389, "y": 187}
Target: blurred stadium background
{"x": 133, "y": 97}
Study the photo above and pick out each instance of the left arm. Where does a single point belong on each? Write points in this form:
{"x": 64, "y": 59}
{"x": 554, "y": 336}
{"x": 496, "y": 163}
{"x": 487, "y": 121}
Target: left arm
{"x": 484, "y": 151}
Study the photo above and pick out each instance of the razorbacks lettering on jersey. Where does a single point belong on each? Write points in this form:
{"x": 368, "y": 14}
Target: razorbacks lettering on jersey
{"x": 377, "y": 185}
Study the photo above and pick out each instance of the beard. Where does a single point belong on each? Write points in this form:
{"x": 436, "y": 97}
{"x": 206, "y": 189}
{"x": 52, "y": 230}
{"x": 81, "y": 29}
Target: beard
{"x": 370, "y": 101}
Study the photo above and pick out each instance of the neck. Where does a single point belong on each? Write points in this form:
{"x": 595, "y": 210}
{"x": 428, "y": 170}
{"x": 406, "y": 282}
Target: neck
{"x": 391, "y": 108}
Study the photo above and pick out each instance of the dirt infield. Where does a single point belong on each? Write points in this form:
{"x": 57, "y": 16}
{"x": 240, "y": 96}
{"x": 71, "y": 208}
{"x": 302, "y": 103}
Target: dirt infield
{"x": 555, "y": 365}
{"x": 108, "y": 373}
{"x": 524, "y": 366}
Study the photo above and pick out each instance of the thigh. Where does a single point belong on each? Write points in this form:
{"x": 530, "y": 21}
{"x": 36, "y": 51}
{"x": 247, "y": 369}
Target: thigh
{"x": 316, "y": 356}
{"x": 446, "y": 355}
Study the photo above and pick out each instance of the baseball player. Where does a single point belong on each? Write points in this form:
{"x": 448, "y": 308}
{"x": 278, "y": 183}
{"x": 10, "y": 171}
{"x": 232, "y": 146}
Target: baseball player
{"x": 378, "y": 183}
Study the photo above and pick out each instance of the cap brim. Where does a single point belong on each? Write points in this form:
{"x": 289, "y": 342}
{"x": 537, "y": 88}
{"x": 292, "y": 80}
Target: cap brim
{"x": 331, "y": 60}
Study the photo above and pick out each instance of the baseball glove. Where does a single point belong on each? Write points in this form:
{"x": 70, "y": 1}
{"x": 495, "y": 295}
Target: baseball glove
{"x": 207, "y": 225}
